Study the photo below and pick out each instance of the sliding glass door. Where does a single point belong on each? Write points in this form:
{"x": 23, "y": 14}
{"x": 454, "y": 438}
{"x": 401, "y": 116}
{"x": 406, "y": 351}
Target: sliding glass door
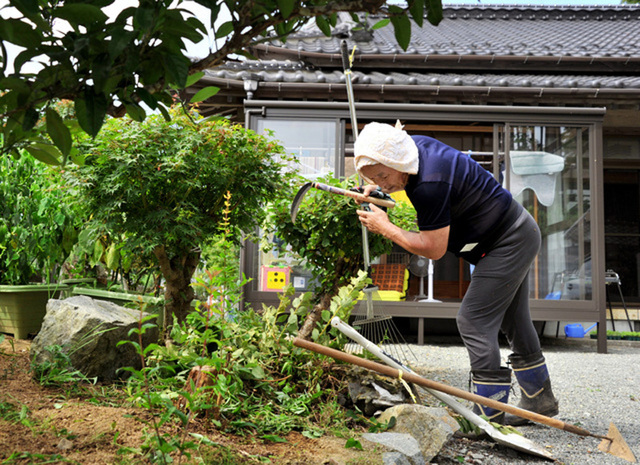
{"x": 547, "y": 171}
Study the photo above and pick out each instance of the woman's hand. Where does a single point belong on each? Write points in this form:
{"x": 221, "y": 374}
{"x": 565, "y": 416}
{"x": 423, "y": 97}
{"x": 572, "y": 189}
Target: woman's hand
{"x": 366, "y": 191}
{"x": 375, "y": 220}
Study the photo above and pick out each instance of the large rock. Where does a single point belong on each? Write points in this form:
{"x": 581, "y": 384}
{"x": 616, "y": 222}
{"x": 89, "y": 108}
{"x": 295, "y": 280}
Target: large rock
{"x": 408, "y": 449}
{"x": 431, "y": 427}
{"x": 88, "y": 331}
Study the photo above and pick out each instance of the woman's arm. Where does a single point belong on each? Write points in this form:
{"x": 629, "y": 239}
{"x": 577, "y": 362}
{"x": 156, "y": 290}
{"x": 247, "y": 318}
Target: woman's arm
{"x": 430, "y": 244}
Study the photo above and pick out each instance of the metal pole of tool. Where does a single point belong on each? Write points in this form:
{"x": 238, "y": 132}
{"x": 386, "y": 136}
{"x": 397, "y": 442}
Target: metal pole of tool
{"x": 346, "y": 65}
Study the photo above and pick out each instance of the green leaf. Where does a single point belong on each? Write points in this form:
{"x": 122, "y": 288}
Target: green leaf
{"x": 177, "y": 69}
{"x": 81, "y": 14}
{"x": 273, "y": 438}
{"x": 434, "y": 11}
{"x": 147, "y": 97}
{"x": 176, "y": 25}
{"x": 164, "y": 112}
{"x": 402, "y": 30}
{"x": 257, "y": 372}
{"x": 30, "y": 119}
{"x": 224, "y": 30}
{"x": 143, "y": 18}
{"x": 193, "y": 78}
{"x": 59, "y": 133}
{"x": 91, "y": 111}
{"x": 98, "y": 250}
{"x": 416, "y": 7}
{"x": 112, "y": 259}
{"x": 204, "y": 94}
{"x": 380, "y": 24}
{"x": 326, "y": 315}
{"x": 69, "y": 236}
{"x": 19, "y": 33}
{"x": 135, "y": 112}
{"x": 119, "y": 43}
{"x": 45, "y": 153}
{"x": 353, "y": 443}
{"x": 26, "y": 7}
{"x": 323, "y": 25}
{"x": 286, "y": 7}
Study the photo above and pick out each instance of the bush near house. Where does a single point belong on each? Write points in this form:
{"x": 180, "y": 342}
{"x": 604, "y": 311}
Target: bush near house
{"x": 161, "y": 185}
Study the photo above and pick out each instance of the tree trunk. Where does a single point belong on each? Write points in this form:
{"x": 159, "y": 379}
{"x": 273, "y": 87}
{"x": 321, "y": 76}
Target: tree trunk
{"x": 177, "y": 272}
{"x": 315, "y": 314}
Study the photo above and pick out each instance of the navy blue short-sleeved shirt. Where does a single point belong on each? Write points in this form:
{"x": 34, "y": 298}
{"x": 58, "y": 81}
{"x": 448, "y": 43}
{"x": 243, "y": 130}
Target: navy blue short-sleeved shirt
{"x": 451, "y": 189}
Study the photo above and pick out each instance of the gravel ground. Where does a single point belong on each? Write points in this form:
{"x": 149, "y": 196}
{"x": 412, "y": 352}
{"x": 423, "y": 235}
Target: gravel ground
{"x": 593, "y": 390}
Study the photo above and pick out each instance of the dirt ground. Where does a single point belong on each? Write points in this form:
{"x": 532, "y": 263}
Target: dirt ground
{"x": 91, "y": 430}
{"x": 93, "y": 425}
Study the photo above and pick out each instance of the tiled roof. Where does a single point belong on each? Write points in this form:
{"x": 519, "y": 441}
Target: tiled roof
{"x": 540, "y": 55}
{"x": 487, "y": 30}
{"x": 297, "y": 72}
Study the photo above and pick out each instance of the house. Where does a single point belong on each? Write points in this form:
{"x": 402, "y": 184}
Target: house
{"x": 546, "y": 97}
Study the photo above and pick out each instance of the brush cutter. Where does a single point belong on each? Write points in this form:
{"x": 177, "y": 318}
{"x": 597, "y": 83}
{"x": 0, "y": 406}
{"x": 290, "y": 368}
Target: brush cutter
{"x": 377, "y": 197}
{"x": 613, "y": 443}
{"x": 512, "y": 440}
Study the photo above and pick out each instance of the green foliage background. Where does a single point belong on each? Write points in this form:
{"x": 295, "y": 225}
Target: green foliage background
{"x": 37, "y": 229}
{"x": 327, "y": 233}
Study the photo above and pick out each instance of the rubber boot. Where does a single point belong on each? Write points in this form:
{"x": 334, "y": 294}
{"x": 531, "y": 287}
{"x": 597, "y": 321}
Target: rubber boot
{"x": 535, "y": 386}
{"x": 494, "y": 384}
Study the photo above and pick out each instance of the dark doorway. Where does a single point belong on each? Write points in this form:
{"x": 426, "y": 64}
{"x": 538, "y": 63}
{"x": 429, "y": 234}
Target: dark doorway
{"x": 622, "y": 228}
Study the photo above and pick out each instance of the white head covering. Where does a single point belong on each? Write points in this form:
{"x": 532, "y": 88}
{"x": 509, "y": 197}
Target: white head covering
{"x": 388, "y": 145}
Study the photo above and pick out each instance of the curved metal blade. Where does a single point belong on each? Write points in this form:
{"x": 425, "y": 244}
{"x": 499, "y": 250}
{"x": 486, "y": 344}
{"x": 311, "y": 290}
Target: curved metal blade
{"x": 297, "y": 200}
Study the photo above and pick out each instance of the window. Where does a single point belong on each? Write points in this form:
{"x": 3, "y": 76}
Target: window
{"x": 314, "y": 144}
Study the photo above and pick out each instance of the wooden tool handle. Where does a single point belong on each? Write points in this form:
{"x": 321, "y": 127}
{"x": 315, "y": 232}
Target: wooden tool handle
{"x": 354, "y": 195}
{"x": 413, "y": 378}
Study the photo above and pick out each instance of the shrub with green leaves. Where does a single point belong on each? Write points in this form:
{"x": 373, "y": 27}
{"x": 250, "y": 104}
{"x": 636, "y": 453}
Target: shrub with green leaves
{"x": 160, "y": 186}
{"x": 328, "y": 236}
{"x": 36, "y": 221}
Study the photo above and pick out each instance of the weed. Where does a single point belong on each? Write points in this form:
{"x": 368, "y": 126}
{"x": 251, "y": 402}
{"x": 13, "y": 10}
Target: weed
{"x": 28, "y": 457}
{"x": 250, "y": 378}
{"x": 57, "y": 369}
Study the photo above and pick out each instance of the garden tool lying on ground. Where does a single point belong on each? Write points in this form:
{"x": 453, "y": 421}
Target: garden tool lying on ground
{"x": 377, "y": 197}
{"x": 509, "y": 439}
{"x": 613, "y": 443}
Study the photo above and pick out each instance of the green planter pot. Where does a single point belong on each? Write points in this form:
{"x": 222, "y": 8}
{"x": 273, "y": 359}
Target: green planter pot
{"x": 73, "y": 282}
{"x": 156, "y": 304}
{"x": 22, "y": 308}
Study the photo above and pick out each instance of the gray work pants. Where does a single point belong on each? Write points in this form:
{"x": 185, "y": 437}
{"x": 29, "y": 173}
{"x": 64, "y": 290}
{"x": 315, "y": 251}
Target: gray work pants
{"x": 498, "y": 297}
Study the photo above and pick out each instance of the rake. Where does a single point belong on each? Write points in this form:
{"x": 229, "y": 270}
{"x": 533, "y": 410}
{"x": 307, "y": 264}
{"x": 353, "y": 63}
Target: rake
{"x": 370, "y": 319}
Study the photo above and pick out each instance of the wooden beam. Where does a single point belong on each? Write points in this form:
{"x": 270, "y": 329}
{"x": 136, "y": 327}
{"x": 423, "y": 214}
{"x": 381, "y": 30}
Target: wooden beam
{"x": 440, "y": 128}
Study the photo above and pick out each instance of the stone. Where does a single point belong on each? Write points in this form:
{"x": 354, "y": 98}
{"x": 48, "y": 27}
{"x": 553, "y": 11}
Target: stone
{"x": 395, "y": 458}
{"x": 88, "y": 331}
{"x": 405, "y": 444}
{"x": 431, "y": 427}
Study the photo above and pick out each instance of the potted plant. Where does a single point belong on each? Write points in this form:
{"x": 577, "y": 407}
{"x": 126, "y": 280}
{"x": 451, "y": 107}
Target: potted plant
{"x": 36, "y": 235}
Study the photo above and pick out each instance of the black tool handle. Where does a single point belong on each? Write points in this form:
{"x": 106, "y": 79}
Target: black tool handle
{"x": 345, "y": 55}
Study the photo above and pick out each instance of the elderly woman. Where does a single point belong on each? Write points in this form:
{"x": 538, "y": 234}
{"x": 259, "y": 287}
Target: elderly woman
{"x": 463, "y": 209}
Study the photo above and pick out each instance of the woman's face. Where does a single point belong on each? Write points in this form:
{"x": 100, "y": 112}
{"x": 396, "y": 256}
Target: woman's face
{"x": 388, "y": 179}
